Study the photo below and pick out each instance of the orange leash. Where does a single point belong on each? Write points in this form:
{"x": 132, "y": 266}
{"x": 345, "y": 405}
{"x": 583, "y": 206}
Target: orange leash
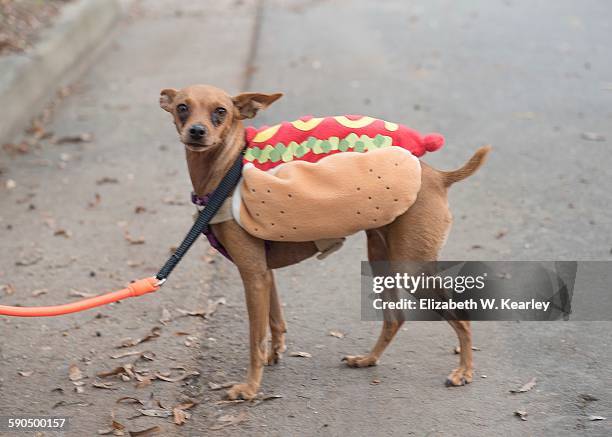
{"x": 137, "y": 288}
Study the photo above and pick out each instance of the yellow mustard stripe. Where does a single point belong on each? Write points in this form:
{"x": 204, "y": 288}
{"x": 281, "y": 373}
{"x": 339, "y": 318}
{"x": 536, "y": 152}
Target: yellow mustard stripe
{"x": 306, "y": 125}
{"x": 391, "y": 126}
{"x": 355, "y": 124}
{"x": 266, "y": 134}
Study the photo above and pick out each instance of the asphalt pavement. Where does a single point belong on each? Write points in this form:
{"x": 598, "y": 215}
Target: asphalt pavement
{"x": 531, "y": 78}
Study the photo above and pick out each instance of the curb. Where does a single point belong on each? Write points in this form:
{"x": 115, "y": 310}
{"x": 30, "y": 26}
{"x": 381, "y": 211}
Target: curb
{"x": 31, "y": 79}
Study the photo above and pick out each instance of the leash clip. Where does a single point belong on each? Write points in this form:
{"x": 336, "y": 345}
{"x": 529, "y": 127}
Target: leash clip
{"x": 161, "y": 282}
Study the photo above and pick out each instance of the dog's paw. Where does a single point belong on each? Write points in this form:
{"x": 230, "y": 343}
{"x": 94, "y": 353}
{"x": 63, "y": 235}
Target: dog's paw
{"x": 360, "y": 360}
{"x": 242, "y": 391}
{"x": 275, "y": 354}
{"x": 459, "y": 377}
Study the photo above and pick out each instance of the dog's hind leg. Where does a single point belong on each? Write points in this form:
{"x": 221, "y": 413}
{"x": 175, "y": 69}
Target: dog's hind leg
{"x": 462, "y": 374}
{"x": 278, "y": 327}
{"x": 393, "y": 320}
{"x": 419, "y": 235}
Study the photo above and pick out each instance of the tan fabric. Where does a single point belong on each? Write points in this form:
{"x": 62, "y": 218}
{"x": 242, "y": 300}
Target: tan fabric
{"x": 333, "y": 198}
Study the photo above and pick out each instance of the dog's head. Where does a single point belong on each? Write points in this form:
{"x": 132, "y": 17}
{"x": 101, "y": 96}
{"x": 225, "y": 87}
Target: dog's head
{"x": 205, "y": 115}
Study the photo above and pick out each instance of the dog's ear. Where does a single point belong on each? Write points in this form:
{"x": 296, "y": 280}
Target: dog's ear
{"x": 165, "y": 99}
{"x": 247, "y": 104}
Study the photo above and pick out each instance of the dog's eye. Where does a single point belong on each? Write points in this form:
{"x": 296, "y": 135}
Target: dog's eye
{"x": 182, "y": 108}
{"x": 218, "y": 116}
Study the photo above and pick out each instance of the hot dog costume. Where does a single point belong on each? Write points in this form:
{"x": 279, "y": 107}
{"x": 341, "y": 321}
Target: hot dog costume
{"x": 326, "y": 178}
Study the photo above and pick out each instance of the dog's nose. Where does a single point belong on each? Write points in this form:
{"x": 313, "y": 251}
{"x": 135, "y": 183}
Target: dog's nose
{"x": 197, "y": 131}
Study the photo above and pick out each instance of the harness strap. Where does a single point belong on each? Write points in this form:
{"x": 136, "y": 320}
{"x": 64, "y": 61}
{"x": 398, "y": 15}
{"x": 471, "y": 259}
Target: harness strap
{"x": 222, "y": 192}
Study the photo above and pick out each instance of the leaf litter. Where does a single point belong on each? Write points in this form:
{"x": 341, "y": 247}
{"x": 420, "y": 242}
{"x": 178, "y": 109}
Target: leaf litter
{"x": 521, "y": 414}
{"x": 525, "y": 387}
{"x": 300, "y": 354}
{"x": 129, "y": 342}
{"x": 230, "y": 420}
{"x": 74, "y": 373}
{"x": 204, "y": 312}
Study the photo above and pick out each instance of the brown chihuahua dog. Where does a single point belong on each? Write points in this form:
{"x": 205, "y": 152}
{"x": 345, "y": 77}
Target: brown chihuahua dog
{"x": 209, "y": 123}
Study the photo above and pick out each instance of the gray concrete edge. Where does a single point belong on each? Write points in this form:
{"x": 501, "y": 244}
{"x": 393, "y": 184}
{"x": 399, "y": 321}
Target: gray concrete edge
{"x": 31, "y": 79}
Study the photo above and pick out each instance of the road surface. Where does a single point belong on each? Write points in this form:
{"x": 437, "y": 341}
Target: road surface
{"x": 530, "y": 78}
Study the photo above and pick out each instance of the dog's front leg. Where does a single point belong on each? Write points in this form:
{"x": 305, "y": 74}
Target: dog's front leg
{"x": 249, "y": 255}
{"x": 257, "y": 285}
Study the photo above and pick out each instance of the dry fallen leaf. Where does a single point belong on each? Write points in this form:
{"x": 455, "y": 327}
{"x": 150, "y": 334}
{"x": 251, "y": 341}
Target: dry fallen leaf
{"x": 132, "y": 263}
{"x": 133, "y": 240}
{"x": 501, "y": 234}
{"x": 16, "y": 149}
{"x": 337, "y": 334}
{"x": 62, "y": 233}
{"x": 126, "y": 369}
{"x": 125, "y": 354}
{"x": 526, "y": 387}
{"x": 144, "y": 382}
{"x": 186, "y": 374}
{"x": 74, "y": 373}
{"x": 107, "y": 180}
{"x": 594, "y": 418}
{"x": 29, "y": 259}
{"x": 592, "y": 136}
{"x": 69, "y": 404}
{"x": 26, "y": 373}
{"x": 95, "y": 202}
{"x": 8, "y": 289}
{"x": 588, "y": 397}
{"x": 151, "y": 403}
{"x": 76, "y": 293}
{"x": 457, "y": 349}
{"x": 104, "y": 385}
{"x": 180, "y": 414}
{"x": 215, "y": 386}
{"x": 128, "y": 342}
{"x": 229, "y": 420}
{"x": 300, "y": 354}
{"x": 116, "y": 428}
{"x": 155, "y": 412}
{"x": 166, "y": 316}
{"x": 174, "y": 201}
{"x": 148, "y": 355}
{"x": 146, "y": 432}
{"x": 85, "y": 137}
{"x": 521, "y": 414}
{"x": 39, "y": 292}
{"x": 129, "y": 400}
{"x": 191, "y": 341}
{"x": 204, "y": 313}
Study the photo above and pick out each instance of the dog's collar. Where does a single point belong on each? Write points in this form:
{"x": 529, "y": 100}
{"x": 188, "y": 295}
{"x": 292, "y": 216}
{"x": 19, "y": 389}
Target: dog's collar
{"x": 200, "y": 200}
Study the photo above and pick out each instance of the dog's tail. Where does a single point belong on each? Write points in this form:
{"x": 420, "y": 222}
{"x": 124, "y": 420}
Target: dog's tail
{"x": 469, "y": 168}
